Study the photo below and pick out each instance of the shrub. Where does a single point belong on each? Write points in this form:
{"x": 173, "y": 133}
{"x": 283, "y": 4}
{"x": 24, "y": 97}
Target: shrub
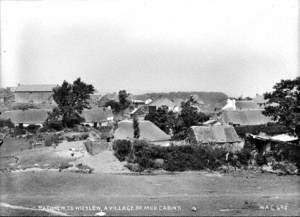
{"x": 42, "y": 130}
{"x": 51, "y": 139}
{"x": 244, "y": 156}
{"x": 261, "y": 160}
{"x": 121, "y": 148}
{"x": 176, "y": 158}
{"x": 143, "y": 153}
{"x": 54, "y": 125}
{"x": 19, "y": 131}
{"x": 6, "y": 123}
{"x": 32, "y": 128}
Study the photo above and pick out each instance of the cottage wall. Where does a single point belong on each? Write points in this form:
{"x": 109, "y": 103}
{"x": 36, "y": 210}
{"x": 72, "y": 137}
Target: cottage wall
{"x": 33, "y": 97}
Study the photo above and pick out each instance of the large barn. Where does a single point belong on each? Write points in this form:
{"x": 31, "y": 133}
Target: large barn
{"x": 34, "y": 93}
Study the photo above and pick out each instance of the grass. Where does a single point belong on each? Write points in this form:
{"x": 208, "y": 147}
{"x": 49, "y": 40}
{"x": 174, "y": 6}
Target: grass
{"x": 12, "y": 145}
{"x": 208, "y": 193}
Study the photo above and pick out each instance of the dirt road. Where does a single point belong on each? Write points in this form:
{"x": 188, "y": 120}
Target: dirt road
{"x": 188, "y": 193}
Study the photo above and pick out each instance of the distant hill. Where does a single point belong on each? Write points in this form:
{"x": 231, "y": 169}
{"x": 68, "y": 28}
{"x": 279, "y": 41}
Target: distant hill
{"x": 211, "y": 100}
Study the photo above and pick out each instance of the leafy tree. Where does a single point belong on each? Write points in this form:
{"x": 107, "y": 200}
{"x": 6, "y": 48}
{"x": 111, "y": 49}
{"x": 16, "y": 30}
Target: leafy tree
{"x": 71, "y": 99}
{"x": 115, "y": 106}
{"x": 169, "y": 122}
{"x": 123, "y": 101}
{"x": 283, "y": 104}
{"x": 188, "y": 117}
{"x": 120, "y": 106}
{"x": 163, "y": 118}
{"x": 136, "y": 128}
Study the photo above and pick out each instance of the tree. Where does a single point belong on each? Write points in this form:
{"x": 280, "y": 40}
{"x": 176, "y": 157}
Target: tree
{"x": 115, "y": 106}
{"x": 136, "y": 128}
{"x": 71, "y": 99}
{"x": 283, "y": 104}
{"x": 190, "y": 115}
{"x": 120, "y": 106}
{"x": 162, "y": 118}
{"x": 169, "y": 122}
{"x": 123, "y": 101}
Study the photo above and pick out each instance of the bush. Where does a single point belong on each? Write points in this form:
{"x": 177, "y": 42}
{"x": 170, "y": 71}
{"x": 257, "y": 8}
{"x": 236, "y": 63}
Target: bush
{"x": 42, "y": 130}
{"x": 51, "y": 139}
{"x": 73, "y": 121}
{"x": 121, "y": 148}
{"x": 174, "y": 158}
{"x": 32, "y": 128}
{"x": 54, "y": 125}
{"x": 6, "y": 123}
{"x": 244, "y": 156}
{"x": 261, "y": 160}
{"x": 189, "y": 157}
{"x": 19, "y": 131}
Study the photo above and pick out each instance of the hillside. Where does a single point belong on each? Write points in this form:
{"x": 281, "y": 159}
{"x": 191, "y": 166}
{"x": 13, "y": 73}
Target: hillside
{"x": 211, "y": 100}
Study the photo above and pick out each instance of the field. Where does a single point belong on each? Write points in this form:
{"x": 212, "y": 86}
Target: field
{"x": 163, "y": 194}
{"x": 34, "y": 189}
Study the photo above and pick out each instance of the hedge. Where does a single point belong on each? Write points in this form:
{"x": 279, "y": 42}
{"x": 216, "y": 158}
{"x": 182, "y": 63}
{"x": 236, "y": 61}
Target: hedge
{"x": 6, "y": 123}
{"x": 176, "y": 158}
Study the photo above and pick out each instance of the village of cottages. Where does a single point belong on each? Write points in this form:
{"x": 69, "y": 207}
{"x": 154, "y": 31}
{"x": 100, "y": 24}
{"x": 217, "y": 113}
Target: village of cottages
{"x": 169, "y": 131}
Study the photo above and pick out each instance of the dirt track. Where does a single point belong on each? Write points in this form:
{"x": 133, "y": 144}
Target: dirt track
{"x": 210, "y": 194}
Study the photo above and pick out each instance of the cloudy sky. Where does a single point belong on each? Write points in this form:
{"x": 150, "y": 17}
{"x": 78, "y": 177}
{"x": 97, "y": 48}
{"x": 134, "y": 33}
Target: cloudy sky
{"x": 240, "y": 47}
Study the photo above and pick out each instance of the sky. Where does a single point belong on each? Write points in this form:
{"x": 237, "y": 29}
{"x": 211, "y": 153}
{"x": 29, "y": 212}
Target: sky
{"x": 239, "y": 47}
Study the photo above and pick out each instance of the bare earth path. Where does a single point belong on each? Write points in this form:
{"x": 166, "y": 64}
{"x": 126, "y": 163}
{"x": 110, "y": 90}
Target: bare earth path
{"x": 211, "y": 194}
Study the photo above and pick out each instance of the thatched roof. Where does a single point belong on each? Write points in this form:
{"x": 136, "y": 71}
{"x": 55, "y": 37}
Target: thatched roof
{"x": 148, "y": 131}
{"x": 215, "y": 134}
{"x": 246, "y": 105}
{"x": 96, "y": 115}
{"x": 31, "y": 116}
{"x": 108, "y": 97}
{"x": 259, "y": 99}
{"x": 35, "y": 88}
{"x": 245, "y": 117}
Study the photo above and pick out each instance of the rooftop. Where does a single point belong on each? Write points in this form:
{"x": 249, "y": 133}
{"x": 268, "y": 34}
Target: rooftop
{"x": 35, "y": 88}
{"x": 215, "y": 134}
{"x": 148, "y": 131}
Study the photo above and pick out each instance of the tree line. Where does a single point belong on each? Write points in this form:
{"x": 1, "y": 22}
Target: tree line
{"x": 282, "y": 104}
